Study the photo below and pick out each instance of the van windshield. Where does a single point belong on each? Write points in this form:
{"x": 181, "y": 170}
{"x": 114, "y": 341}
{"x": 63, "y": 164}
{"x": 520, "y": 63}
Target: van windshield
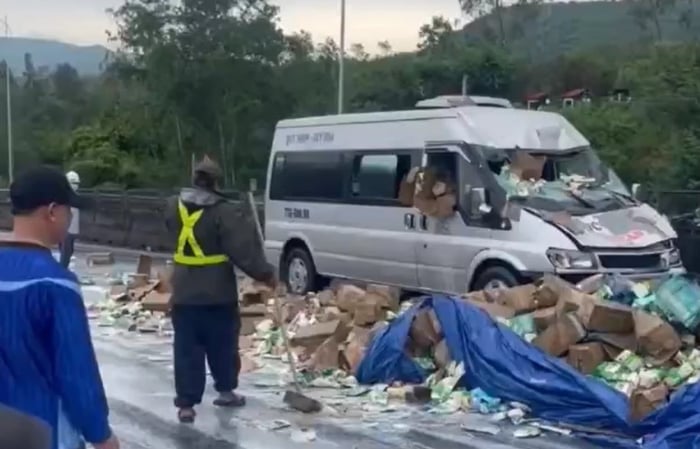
{"x": 574, "y": 181}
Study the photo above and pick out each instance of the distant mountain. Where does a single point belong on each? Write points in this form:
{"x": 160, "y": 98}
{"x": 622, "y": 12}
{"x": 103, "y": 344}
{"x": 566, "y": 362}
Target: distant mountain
{"x": 552, "y": 29}
{"x": 85, "y": 59}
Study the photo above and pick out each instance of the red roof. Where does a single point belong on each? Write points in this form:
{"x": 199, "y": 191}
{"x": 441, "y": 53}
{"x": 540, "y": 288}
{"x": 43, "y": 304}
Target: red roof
{"x": 539, "y": 96}
{"x": 575, "y": 93}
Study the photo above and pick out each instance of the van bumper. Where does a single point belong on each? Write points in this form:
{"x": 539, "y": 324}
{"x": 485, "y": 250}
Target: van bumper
{"x": 575, "y": 277}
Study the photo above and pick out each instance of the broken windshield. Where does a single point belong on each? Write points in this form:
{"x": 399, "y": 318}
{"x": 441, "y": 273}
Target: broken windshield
{"x": 576, "y": 181}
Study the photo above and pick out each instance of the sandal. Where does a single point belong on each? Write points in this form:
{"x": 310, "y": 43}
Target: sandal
{"x": 229, "y": 399}
{"x": 186, "y": 415}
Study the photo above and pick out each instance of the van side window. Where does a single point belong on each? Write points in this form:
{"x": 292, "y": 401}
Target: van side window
{"x": 378, "y": 176}
{"x": 308, "y": 175}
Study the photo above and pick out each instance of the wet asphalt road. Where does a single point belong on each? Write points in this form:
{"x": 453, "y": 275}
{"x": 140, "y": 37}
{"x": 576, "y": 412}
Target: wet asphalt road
{"x": 137, "y": 373}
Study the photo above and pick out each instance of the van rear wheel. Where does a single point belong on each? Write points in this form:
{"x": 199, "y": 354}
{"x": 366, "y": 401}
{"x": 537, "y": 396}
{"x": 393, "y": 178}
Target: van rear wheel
{"x": 299, "y": 271}
{"x": 497, "y": 277}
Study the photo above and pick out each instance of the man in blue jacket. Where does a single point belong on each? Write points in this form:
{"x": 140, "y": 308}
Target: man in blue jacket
{"x": 47, "y": 363}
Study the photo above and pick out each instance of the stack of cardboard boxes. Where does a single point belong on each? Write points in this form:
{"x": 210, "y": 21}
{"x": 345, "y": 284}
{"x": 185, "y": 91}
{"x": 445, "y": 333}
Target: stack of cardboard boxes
{"x": 623, "y": 346}
{"x": 328, "y": 330}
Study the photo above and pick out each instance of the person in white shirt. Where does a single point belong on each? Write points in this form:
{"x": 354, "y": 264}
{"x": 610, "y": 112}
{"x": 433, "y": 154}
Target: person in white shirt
{"x": 74, "y": 229}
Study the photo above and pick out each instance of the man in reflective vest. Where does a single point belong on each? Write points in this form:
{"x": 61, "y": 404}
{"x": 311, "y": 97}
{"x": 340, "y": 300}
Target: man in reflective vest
{"x": 212, "y": 237}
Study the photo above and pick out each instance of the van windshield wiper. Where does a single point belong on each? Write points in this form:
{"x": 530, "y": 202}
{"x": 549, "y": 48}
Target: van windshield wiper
{"x": 618, "y": 195}
{"x": 578, "y": 198}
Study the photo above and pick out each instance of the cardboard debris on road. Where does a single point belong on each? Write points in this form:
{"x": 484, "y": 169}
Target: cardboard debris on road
{"x": 592, "y": 326}
{"x": 99, "y": 259}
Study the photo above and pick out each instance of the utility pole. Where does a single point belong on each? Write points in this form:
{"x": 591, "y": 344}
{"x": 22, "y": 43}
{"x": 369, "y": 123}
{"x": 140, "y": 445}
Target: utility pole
{"x": 8, "y": 92}
{"x": 341, "y": 59}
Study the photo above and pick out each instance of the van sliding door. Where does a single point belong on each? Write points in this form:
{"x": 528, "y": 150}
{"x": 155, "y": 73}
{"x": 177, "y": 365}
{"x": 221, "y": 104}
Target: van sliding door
{"x": 377, "y": 232}
{"x": 447, "y": 246}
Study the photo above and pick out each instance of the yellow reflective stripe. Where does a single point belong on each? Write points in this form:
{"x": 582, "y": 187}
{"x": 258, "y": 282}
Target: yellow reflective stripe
{"x": 187, "y": 232}
{"x": 186, "y": 237}
{"x": 199, "y": 261}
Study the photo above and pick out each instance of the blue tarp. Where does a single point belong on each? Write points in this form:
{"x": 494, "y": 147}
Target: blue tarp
{"x": 504, "y": 365}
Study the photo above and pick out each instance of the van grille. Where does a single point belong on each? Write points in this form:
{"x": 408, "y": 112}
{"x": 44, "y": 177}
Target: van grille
{"x": 629, "y": 261}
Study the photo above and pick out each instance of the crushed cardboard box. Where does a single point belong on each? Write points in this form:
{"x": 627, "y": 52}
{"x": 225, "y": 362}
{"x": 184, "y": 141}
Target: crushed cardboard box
{"x": 586, "y": 357}
{"x": 645, "y": 401}
{"x": 558, "y": 337}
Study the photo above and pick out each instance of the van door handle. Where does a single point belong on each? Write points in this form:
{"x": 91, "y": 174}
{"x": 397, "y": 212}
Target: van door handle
{"x": 409, "y": 221}
{"x": 424, "y": 222}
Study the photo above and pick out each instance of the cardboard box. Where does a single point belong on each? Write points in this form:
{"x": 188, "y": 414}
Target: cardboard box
{"x": 441, "y": 354}
{"x": 326, "y": 356}
{"x": 592, "y": 284}
{"x": 645, "y": 401}
{"x": 391, "y": 296}
{"x": 327, "y": 298}
{"x": 407, "y": 188}
{"x": 585, "y": 357}
{"x": 521, "y": 298}
{"x": 572, "y": 301}
{"x": 494, "y": 310}
{"x": 478, "y": 296}
{"x": 156, "y": 302}
{"x": 605, "y": 316}
{"x": 348, "y": 297}
{"x": 544, "y": 318}
{"x": 355, "y": 347}
{"x": 137, "y": 294}
{"x": 425, "y": 181}
{"x": 144, "y": 265}
{"x": 526, "y": 166}
{"x": 311, "y": 336}
{"x": 550, "y": 289}
{"x": 621, "y": 342}
{"x": 164, "y": 279}
{"x": 558, "y": 337}
{"x": 369, "y": 310}
{"x": 426, "y": 206}
{"x": 656, "y": 339}
{"x": 425, "y": 330}
{"x": 99, "y": 259}
{"x": 445, "y": 205}
{"x": 137, "y": 280}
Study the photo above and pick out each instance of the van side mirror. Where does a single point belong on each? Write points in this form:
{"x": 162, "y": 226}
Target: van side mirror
{"x": 640, "y": 193}
{"x": 636, "y": 191}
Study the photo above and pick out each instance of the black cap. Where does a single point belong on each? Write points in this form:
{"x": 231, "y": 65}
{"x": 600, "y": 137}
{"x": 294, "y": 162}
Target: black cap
{"x": 41, "y": 186}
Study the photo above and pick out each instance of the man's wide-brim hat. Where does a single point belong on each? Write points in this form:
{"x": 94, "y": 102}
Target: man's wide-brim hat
{"x": 209, "y": 167}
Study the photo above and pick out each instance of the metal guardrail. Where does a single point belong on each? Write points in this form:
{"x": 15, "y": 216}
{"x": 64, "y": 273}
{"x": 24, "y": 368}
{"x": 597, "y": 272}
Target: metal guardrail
{"x": 134, "y": 219}
{"x": 129, "y": 219}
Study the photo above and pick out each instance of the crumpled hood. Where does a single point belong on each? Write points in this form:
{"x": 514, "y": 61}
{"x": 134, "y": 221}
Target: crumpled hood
{"x": 199, "y": 197}
{"x": 635, "y": 227}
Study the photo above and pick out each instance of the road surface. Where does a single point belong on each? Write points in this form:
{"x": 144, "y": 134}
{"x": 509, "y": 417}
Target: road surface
{"x": 137, "y": 373}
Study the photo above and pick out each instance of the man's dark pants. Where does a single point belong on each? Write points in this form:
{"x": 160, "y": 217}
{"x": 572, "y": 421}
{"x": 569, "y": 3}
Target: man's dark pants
{"x": 66, "y": 248}
{"x": 20, "y": 431}
{"x": 205, "y": 331}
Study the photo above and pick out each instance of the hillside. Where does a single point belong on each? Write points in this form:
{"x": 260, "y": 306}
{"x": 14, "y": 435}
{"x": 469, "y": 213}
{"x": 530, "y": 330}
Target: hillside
{"x": 85, "y": 59}
{"x": 553, "y": 29}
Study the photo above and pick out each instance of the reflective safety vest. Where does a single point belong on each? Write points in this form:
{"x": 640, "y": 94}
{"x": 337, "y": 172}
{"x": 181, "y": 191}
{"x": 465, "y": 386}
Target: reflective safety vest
{"x": 187, "y": 237}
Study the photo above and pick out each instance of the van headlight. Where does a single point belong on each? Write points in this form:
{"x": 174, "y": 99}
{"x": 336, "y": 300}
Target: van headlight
{"x": 569, "y": 259}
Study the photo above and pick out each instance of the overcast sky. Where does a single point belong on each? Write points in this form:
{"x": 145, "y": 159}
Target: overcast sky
{"x": 368, "y": 21}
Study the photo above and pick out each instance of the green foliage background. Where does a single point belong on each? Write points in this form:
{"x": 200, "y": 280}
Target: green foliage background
{"x": 214, "y": 76}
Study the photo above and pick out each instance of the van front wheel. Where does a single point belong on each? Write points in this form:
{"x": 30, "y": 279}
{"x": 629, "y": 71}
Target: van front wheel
{"x": 496, "y": 277}
{"x": 299, "y": 272}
